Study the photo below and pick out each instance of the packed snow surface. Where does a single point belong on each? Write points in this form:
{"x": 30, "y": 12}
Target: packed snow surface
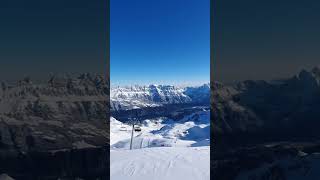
{"x": 161, "y": 163}
{"x": 164, "y": 149}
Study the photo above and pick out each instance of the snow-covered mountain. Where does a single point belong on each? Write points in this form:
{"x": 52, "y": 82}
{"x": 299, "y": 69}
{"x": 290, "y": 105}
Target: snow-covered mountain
{"x": 126, "y": 98}
{"x": 167, "y": 113}
{"x": 59, "y": 121}
{"x": 267, "y": 129}
{"x": 174, "y": 134}
{"x": 53, "y": 112}
{"x": 287, "y": 107}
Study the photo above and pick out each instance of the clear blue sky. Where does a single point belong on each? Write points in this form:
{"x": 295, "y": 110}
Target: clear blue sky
{"x": 264, "y": 39}
{"x": 38, "y": 37}
{"x": 161, "y": 42}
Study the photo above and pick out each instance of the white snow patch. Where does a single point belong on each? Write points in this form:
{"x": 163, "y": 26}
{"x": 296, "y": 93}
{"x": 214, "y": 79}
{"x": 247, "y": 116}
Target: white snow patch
{"x": 161, "y": 163}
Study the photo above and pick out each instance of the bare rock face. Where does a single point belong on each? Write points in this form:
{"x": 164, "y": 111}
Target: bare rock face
{"x": 65, "y": 114}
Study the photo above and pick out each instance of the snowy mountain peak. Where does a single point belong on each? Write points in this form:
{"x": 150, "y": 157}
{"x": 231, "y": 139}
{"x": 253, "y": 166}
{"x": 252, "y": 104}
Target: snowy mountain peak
{"x": 153, "y": 86}
{"x": 309, "y": 78}
{"x": 314, "y": 73}
{"x": 316, "y": 70}
{"x": 125, "y": 98}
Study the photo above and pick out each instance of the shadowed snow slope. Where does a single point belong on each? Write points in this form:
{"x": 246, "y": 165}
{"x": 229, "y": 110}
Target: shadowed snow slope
{"x": 161, "y": 164}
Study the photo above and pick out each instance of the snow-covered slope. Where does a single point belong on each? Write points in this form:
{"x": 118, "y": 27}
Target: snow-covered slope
{"x": 191, "y": 130}
{"x": 161, "y": 164}
{"x": 174, "y": 139}
{"x": 125, "y": 98}
{"x": 118, "y": 131}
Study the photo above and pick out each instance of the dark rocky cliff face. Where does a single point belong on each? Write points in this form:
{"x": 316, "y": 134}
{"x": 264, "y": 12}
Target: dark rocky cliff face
{"x": 60, "y": 125}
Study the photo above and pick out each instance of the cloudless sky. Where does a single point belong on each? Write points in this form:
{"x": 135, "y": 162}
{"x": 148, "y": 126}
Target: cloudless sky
{"x": 161, "y": 42}
{"x": 265, "y": 39}
{"x": 38, "y": 37}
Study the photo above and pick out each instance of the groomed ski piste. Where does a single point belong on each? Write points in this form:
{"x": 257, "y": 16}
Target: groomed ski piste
{"x": 164, "y": 149}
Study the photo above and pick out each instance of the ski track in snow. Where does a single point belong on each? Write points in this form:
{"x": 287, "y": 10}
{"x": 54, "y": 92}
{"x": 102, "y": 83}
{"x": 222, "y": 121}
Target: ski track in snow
{"x": 162, "y": 163}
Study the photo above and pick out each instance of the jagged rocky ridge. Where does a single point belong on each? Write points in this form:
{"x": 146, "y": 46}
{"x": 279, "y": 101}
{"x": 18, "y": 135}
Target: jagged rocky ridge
{"x": 64, "y": 114}
{"x": 135, "y": 97}
{"x": 147, "y": 102}
{"x": 268, "y": 110}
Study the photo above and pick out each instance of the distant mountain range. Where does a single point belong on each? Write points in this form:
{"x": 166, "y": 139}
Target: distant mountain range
{"x": 259, "y": 111}
{"x": 135, "y": 97}
{"x": 65, "y": 112}
{"x": 59, "y": 121}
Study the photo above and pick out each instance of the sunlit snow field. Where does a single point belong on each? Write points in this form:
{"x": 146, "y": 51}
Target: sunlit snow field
{"x": 161, "y": 163}
{"x": 163, "y": 149}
